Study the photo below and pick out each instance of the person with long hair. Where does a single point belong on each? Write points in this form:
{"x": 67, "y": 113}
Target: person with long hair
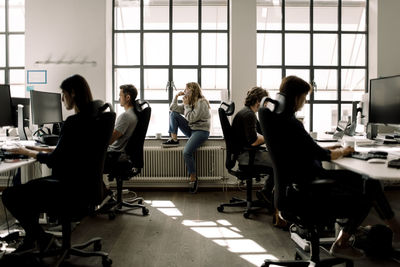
{"x": 195, "y": 124}
{"x": 69, "y": 185}
{"x": 351, "y": 196}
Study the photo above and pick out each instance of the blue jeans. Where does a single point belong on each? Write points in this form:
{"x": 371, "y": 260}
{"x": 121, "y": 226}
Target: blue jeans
{"x": 196, "y": 138}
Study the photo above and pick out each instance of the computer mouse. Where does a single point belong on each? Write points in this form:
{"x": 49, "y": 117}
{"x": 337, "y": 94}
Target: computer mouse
{"x": 378, "y": 161}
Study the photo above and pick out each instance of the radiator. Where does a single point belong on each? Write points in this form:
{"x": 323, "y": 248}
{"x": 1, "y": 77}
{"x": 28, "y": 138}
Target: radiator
{"x": 167, "y": 164}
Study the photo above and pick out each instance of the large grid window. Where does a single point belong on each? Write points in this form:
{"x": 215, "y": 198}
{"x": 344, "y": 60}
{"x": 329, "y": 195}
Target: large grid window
{"x": 324, "y": 42}
{"x": 12, "y": 45}
{"x": 160, "y": 45}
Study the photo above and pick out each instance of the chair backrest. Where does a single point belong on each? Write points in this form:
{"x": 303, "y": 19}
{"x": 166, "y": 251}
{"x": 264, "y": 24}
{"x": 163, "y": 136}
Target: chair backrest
{"x": 272, "y": 120}
{"x": 224, "y": 111}
{"x": 102, "y": 124}
{"x": 134, "y": 148}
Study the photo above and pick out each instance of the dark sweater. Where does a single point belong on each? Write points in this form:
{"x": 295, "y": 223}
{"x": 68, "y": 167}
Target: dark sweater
{"x": 245, "y": 127}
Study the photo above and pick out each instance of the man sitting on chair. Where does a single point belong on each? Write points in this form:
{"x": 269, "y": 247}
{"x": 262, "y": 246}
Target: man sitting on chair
{"x": 247, "y": 133}
{"x": 124, "y": 126}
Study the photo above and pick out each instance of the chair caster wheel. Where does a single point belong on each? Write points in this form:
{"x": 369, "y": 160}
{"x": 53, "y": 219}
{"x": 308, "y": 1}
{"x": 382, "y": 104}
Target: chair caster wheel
{"x": 220, "y": 208}
{"x": 107, "y": 262}
{"x": 145, "y": 211}
{"x": 246, "y": 215}
{"x": 97, "y": 245}
{"x": 297, "y": 257}
{"x": 140, "y": 201}
{"x": 111, "y": 216}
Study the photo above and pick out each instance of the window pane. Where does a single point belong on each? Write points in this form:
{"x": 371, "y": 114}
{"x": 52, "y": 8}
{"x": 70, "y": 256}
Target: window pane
{"x": 16, "y": 16}
{"x": 17, "y": 50}
{"x": 301, "y": 73}
{"x": 127, "y": 48}
{"x": 269, "y": 49}
{"x": 156, "y": 14}
{"x": 17, "y": 83}
{"x": 2, "y": 50}
{"x": 184, "y": 76}
{"x": 297, "y": 49}
{"x": 159, "y": 120}
{"x": 326, "y": 81}
{"x": 353, "y": 84}
{"x": 214, "y": 83}
{"x": 2, "y": 77}
{"x": 325, "y": 117}
{"x": 215, "y": 124}
{"x": 214, "y": 49}
{"x": 127, "y": 14}
{"x": 346, "y": 112}
{"x": 2, "y": 16}
{"x": 269, "y": 17}
{"x": 126, "y": 76}
{"x": 185, "y": 14}
{"x": 185, "y": 49}
{"x": 325, "y": 15}
{"x": 325, "y": 49}
{"x": 155, "y": 82}
{"x": 269, "y": 79}
{"x": 214, "y": 15}
{"x": 353, "y": 49}
{"x": 297, "y": 15}
{"x": 156, "y": 49}
{"x": 353, "y": 15}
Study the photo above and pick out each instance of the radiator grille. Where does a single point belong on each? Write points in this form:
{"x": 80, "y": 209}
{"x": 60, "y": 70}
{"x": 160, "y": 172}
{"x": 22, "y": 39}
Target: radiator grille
{"x": 168, "y": 163}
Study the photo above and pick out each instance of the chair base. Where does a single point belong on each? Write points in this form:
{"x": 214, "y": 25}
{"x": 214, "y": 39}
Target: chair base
{"x": 252, "y": 206}
{"x": 126, "y": 206}
{"x": 302, "y": 258}
{"x": 77, "y": 250}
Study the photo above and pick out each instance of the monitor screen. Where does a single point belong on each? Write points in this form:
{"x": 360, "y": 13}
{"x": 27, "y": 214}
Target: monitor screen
{"x": 384, "y": 100}
{"x": 20, "y": 101}
{"x": 46, "y": 107}
{"x": 5, "y": 106}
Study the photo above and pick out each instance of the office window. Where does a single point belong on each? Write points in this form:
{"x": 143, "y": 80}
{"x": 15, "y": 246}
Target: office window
{"x": 321, "y": 41}
{"x": 160, "y": 45}
{"x": 12, "y": 45}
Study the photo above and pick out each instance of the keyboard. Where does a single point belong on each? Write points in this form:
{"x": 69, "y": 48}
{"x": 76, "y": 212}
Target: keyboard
{"x": 368, "y": 155}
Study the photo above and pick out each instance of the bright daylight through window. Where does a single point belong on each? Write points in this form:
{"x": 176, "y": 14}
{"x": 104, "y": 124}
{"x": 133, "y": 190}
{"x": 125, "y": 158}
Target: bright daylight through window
{"x": 12, "y": 45}
{"x": 160, "y": 45}
{"x": 321, "y": 41}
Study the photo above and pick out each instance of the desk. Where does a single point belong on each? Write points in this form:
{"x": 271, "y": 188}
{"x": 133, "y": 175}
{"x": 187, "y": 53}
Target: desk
{"x": 26, "y": 173}
{"x": 389, "y": 176}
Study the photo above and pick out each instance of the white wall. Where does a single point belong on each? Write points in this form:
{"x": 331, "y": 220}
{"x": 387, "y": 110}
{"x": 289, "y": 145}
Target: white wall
{"x": 243, "y": 53}
{"x": 388, "y": 38}
{"x": 73, "y": 30}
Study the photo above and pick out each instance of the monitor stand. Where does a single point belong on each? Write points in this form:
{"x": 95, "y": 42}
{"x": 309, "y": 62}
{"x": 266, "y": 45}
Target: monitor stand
{"x": 21, "y": 129}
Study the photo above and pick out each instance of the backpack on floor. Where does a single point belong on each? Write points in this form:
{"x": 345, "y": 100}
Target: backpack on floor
{"x": 375, "y": 240}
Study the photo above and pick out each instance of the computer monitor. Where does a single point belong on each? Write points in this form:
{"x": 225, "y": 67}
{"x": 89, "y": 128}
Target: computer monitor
{"x": 5, "y": 106}
{"x": 384, "y": 100}
{"x": 15, "y": 101}
{"x": 46, "y": 107}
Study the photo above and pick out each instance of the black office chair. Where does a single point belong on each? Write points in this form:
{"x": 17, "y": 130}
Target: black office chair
{"x": 290, "y": 199}
{"x": 102, "y": 124}
{"x": 131, "y": 163}
{"x": 244, "y": 172}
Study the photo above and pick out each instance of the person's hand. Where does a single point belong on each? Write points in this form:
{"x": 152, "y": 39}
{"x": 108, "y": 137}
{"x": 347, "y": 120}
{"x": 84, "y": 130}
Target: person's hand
{"x": 19, "y": 150}
{"x": 347, "y": 150}
{"x": 180, "y": 93}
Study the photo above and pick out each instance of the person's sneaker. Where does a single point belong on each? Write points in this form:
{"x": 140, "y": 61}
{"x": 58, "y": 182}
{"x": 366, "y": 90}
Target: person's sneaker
{"x": 171, "y": 143}
{"x": 347, "y": 252}
{"x": 194, "y": 186}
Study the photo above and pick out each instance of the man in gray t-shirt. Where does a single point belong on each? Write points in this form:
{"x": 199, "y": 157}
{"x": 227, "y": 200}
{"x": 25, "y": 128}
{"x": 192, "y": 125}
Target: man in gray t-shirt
{"x": 126, "y": 122}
